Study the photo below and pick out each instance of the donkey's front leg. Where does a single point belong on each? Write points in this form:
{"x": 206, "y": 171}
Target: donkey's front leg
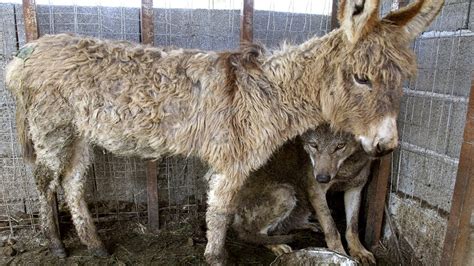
{"x": 352, "y": 205}
{"x": 317, "y": 197}
{"x": 220, "y": 210}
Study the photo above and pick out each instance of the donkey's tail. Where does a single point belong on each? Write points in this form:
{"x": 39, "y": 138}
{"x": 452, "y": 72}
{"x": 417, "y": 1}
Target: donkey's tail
{"x": 14, "y": 74}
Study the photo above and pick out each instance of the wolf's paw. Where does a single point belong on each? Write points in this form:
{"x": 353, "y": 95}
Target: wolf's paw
{"x": 280, "y": 249}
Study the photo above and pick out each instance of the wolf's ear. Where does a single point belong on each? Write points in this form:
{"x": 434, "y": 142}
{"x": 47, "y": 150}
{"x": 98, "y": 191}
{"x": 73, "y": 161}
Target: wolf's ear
{"x": 358, "y": 17}
{"x": 415, "y": 17}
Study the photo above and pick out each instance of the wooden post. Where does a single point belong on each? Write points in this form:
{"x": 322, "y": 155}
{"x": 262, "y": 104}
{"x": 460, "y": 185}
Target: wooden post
{"x": 147, "y": 36}
{"x": 146, "y": 22}
{"x": 334, "y": 22}
{"x": 246, "y": 22}
{"x": 31, "y": 23}
{"x": 462, "y": 203}
{"x": 376, "y": 196}
{"x": 152, "y": 196}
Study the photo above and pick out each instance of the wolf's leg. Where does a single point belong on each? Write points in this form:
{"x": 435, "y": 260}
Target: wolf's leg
{"x": 317, "y": 198}
{"x": 352, "y": 205}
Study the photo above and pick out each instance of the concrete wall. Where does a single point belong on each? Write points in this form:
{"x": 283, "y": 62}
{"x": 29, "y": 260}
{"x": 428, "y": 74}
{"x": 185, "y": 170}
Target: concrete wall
{"x": 431, "y": 125}
{"x": 118, "y": 180}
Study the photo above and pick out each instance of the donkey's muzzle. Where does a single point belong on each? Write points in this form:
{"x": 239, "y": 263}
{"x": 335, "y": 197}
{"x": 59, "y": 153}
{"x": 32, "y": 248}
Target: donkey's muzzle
{"x": 382, "y": 138}
{"x": 380, "y": 151}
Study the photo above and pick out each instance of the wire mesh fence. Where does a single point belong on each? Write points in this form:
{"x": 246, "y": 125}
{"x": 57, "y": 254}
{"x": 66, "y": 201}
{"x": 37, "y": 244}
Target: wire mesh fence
{"x": 431, "y": 123}
{"x": 116, "y": 186}
{"x": 431, "y": 118}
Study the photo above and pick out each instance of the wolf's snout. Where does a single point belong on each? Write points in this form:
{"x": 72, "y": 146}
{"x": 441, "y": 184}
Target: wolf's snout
{"x": 323, "y": 178}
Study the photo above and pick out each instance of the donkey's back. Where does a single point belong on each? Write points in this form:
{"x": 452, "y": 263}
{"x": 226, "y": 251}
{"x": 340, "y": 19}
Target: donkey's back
{"x": 127, "y": 98}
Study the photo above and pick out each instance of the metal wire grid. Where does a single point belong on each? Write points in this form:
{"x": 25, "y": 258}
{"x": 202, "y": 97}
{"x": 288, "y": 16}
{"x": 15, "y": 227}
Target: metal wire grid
{"x": 431, "y": 124}
{"x": 18, "y": 198}
{"x": 271, "y": 27}
{"x": 207, "y": 29}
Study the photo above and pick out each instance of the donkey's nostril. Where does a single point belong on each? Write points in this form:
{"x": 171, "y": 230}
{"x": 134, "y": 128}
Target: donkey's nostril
{"x": 378, "y": 149}
{"x": 323, "y": 178}
{"x": 381, "y": 151}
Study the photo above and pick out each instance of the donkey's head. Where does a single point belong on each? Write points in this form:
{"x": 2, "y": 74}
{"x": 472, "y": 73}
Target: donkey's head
{"x": 371, "y": 61}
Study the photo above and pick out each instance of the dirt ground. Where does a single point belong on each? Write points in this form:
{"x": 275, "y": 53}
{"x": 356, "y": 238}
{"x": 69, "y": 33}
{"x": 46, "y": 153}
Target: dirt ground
{"x": 130, "y": 243}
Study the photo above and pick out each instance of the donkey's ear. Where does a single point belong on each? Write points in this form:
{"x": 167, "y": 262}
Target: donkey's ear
{"x": 358, "y": 17}
{"x": 415, "y": 17}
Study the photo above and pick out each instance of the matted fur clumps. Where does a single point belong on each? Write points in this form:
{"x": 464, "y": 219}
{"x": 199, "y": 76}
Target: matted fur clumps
{"x": 231, "y": 109}
{"x": 136, "y": 100}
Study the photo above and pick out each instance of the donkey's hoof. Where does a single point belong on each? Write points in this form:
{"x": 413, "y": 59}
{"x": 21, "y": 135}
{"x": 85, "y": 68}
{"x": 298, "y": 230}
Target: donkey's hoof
{"x": 59, "y": 252}
{"x": 99, "y": 252}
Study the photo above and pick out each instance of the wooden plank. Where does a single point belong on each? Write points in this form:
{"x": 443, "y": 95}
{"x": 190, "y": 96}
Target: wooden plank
{"x": 153, "y": 208}
{"x": 152, "y": 196}
{"x": 376, "y": 196}
{"x": 462, "y": 203}
{"x": 246, "y": 22}
{"x": 146, "y": 22}
{"x": 31, "y": 23}
{"x": 334, "y": 21}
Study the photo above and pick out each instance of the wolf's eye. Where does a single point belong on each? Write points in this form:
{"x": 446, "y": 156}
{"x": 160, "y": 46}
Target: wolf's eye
{"x": 362, "y": 80}
{"x": 340, "y": 146}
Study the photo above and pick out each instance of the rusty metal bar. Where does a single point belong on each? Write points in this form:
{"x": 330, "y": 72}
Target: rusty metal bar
{"x": 246, "y": 22}
{"x": 147, "y": 37}
{"x": 31, "y": 23}
{"x": 334, "y": 21}
{"x": 462, "y": 203}
{"x": 376, "y": 196}
{"x": 146, "y": 22}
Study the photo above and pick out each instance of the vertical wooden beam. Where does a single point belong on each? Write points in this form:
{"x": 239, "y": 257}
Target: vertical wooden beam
{"x": 146, "y": 22}
{"x": 152, "y": 196}
{"x": 376, "y": 195}
{"x": 147, "y": 37}
{"x": 334, "y": 21}
{"x": 462, "y": 203}
{"x": 246, "y": 22}
{"x": 31, "y": 23}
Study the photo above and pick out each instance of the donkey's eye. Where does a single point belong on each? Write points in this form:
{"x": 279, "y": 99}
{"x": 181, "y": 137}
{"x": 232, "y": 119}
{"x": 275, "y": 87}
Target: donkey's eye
{"x": 340, "y": 146}
{"x": 362, "y": 80}
{"x": 313, "y": 145}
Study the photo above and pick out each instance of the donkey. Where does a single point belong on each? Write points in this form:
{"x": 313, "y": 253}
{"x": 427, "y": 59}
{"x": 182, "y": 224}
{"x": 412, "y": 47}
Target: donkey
{"x": 231, "y": 109}
{"x": 280, "y": 196}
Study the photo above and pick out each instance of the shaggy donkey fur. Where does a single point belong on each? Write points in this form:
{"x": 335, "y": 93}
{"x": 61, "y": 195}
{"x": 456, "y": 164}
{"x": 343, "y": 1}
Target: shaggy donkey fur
{"x": 230, "y": 109}
{"x": 280, "y": 196}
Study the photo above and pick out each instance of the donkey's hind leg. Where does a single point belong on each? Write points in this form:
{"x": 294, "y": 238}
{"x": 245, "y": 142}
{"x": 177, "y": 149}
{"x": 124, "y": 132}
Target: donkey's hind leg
{"x": 47, "y": 182}
{"x": 73, "y": 185}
